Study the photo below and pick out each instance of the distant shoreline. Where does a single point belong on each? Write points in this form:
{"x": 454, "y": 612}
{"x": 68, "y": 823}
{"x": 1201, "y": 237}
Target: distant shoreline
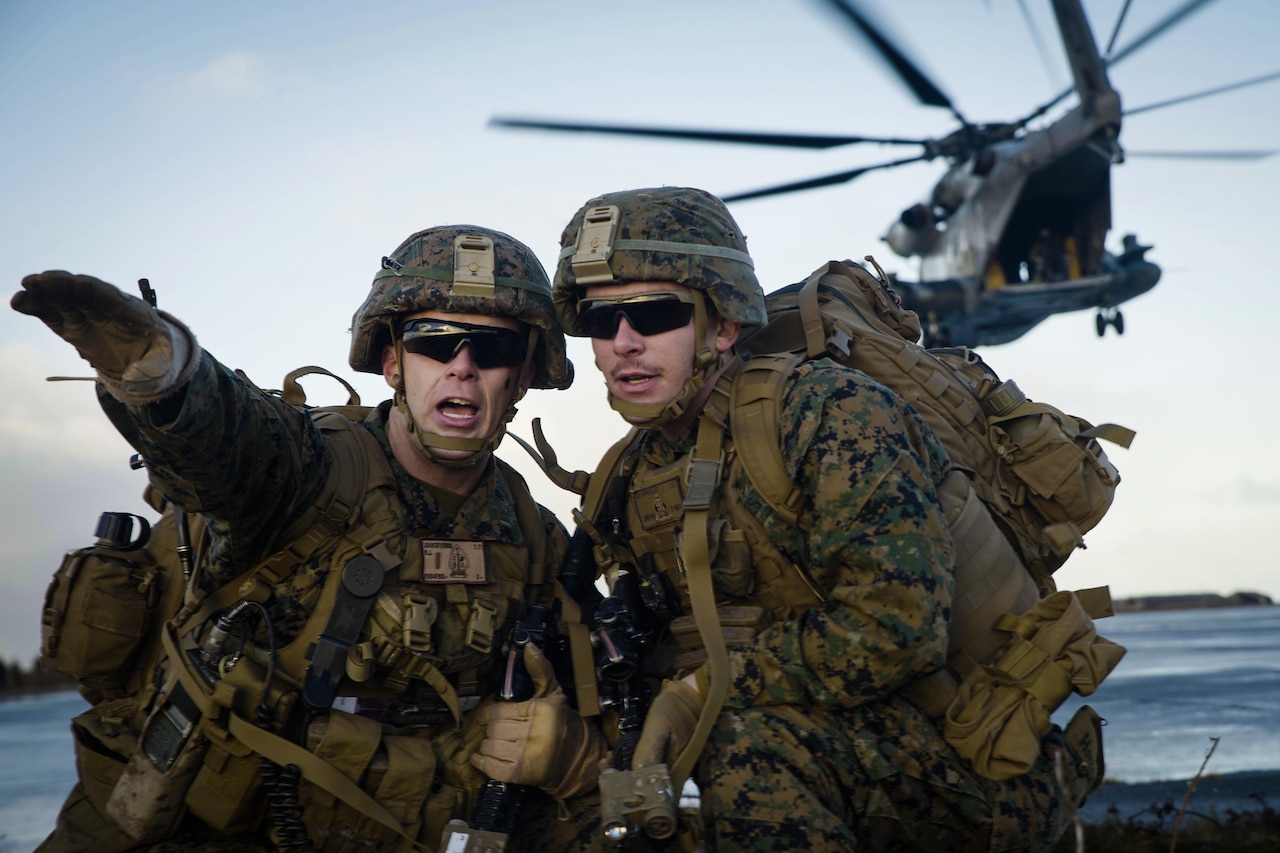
{"x": 1190, "y": 601}
{"x": 1215, "y": 795}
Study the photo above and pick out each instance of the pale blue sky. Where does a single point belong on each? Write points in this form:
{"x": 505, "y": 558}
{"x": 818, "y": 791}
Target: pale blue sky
{"x": 256, "y": 160}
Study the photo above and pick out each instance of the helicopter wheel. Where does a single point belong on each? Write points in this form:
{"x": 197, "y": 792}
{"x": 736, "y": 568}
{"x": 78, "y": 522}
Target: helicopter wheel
{"x": 1109, "y": 317}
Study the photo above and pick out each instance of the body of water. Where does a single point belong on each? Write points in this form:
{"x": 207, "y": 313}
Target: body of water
{"x": 1189, "y": 676}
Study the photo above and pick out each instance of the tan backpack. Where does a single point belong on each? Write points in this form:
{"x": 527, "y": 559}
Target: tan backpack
{"x": 1041, "y": 472}
{"x": 1031, "y": 481}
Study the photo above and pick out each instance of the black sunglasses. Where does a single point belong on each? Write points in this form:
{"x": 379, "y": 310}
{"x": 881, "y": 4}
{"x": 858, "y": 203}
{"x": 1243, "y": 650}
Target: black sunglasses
{"x": 647, "y": 313}
{"x": 440, "y": 340}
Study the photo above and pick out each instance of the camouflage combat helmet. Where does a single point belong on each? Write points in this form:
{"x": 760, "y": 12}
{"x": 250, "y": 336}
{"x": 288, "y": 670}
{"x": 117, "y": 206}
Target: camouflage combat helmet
{"x": 468, "y": 270}
{"x": 676, "y": 234}
{"x": 461, "y": 269}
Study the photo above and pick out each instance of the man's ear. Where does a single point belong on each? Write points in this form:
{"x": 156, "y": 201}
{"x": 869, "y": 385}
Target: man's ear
{"x": 390, "y": 365}
{"x": 727, "y": 332}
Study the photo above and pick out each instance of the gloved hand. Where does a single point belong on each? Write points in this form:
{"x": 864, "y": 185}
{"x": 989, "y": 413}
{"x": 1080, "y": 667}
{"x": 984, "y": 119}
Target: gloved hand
{"x": 669, "y": 725}
{"x": 123, "y": 337}
{"x": 540, "y": 742}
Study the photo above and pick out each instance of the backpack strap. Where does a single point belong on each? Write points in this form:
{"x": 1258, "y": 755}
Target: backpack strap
{"x": 755, "y": 400}
{"x": 695, "y": 550}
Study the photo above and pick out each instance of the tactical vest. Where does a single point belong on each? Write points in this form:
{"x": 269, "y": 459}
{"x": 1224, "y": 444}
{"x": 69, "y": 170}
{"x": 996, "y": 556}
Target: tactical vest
{"x": 429, "y": 633}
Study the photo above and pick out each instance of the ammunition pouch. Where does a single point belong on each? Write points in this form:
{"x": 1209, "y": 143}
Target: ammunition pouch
{"x": 1001, "y": 709}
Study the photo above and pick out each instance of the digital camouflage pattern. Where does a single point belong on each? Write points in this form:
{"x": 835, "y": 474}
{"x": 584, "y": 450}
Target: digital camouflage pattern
{"x": 815, "y": 749}
{"x": 674, "y": 215}
{"x": 878, "y": 777}
{"x": 251, "y": 464}
{"x": 521, "y": 291}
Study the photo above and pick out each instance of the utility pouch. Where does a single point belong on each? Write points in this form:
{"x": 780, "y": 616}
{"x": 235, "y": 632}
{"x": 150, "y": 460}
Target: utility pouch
{"x": 1057, "y": 470}
{"x": 396, "y": 771}
{"x": 100, "y": 605}
{"x": 227, "y": 791}
{"x": 103, "y": 743}
{"x": 1002, "y": 709}
{"x": 739, "y": 624}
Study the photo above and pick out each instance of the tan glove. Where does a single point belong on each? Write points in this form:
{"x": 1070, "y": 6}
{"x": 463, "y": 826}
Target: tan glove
{"x": 672, "y": 717}
{"x": 125, "y": 339}
{"x": 540, "y": 742}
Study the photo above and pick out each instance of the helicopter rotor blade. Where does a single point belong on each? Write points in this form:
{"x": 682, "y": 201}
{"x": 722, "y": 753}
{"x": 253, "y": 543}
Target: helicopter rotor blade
{"x": 786, "y": 140}
{"x": 1202, "y": 155}
{"x": 814, "y": 183}
{"x": 920, "y": 85}
{"x": 1038, "y": 40}
{"x": 1115, "y": 30}
{"x": 1217, "y": 90}
{"x": 1174, "y": 17}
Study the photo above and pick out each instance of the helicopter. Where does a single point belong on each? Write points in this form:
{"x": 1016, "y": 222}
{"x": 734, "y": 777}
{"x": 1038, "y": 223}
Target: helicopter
{"x": 1014, "y": 231}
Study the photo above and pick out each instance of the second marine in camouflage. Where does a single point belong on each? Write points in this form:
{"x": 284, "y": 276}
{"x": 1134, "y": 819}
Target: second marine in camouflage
{"x": 827, "y": 620}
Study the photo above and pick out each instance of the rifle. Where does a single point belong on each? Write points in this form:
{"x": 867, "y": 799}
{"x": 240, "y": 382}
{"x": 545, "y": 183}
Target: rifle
{"x": 637, "y": 807}
{"x": 498, "y": 807}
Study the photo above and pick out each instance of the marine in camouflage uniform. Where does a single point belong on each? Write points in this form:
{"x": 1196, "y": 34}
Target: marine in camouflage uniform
{"x": 459, "y": 321}
{"x": 814, "y": 747}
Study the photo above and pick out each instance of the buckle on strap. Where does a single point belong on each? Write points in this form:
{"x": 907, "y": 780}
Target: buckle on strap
{"x": 702, "y": 475}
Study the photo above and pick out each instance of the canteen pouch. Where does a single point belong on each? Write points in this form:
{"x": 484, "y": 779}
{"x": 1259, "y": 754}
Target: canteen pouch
{"x": 396, "y": 771}
{"x": 98, "y": 608}
{"x": 1002, "y": 709}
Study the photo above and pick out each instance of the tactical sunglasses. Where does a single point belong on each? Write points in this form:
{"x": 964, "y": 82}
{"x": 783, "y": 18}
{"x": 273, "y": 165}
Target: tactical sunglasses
{"x": 647, "y": 313}
{"x": 440, "y": 340}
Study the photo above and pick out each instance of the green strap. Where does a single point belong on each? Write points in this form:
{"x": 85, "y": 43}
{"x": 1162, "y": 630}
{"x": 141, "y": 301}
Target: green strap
{"x": 315, "y": 770}
{"x": 695, "y": 552}
{"x": 1114, "y": 433}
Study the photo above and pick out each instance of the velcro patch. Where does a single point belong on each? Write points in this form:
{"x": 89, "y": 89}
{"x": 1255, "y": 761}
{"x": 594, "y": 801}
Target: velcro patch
{"x": 448, "y": 561}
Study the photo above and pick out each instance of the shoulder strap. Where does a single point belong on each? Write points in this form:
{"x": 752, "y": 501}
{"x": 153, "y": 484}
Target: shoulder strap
{"x": 529, "y": 517}
{"x": 359, "y": 465}
{"x": 755, "y": 400}
{"x": 529, "y": 514}
{"x": 606, "y": 472}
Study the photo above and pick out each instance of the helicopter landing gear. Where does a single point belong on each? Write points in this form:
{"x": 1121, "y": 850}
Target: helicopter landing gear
{"x": 1109, "y": 317}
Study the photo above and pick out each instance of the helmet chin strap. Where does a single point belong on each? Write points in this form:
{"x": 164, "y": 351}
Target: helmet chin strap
{"x": 480, "y": 448}
{"x": 705, "y": 362}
